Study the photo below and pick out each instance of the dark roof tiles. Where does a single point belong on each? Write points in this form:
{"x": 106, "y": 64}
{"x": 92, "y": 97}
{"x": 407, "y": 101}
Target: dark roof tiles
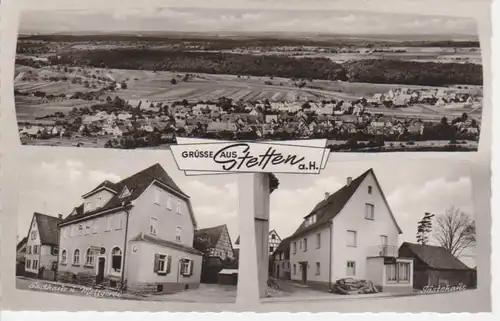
{"x": 435, "y": 257}
{"x": 136, "y": 184}
{"x": 47, "y": 228}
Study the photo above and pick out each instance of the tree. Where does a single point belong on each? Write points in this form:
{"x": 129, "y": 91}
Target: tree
{"x": 455, "y": 230}
{"x": 424, "y": 227}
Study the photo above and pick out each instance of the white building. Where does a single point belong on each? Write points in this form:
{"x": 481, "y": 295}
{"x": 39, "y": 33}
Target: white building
{"x": 41, "y": 245}
{"x": 351, "y": 233}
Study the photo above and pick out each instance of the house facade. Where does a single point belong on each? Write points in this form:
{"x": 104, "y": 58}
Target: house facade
{"x": 350, "y": 234}
{"x": 281, "y": 260}
{"x": 41, "y": 246}
{"x": 135, "y": 235}
{"x": 216, "y": 242}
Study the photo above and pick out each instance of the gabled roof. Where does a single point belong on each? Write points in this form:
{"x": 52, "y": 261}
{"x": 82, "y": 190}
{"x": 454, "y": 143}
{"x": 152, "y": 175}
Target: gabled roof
{"x": 212, "y": 234}
{"x": 136, "y": 184}
{"x": 47, "y": 228}
{"x": 22, "y": 244}
{"x": 284, "y": 245}
{"x": 435, "y": 257}
{"x": 329, "y": 208}
{"x": 104, "y": 185}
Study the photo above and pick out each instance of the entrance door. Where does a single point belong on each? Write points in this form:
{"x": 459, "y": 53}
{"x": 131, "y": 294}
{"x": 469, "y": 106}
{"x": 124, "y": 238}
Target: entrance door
{"x": 304, "y": 272}
{"x": 101, "y": 262}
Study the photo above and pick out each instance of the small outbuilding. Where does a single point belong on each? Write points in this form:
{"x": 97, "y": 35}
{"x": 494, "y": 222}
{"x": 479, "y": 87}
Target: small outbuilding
{"x": 228, "y": 277}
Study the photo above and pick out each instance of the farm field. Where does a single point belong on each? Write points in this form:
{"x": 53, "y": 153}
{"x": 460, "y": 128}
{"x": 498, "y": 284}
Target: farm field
{"x": 421, "y": 54}
{"x": 157, "y": 86}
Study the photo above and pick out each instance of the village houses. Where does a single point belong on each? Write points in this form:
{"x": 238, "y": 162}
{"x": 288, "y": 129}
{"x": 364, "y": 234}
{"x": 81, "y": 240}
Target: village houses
{"x": 42, "y": 246}
{"x": 351, "y": 233}
{"x": 136, "y": 235}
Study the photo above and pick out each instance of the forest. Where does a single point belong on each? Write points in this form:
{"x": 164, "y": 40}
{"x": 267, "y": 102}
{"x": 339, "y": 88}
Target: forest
{"x": 370, "y": 71}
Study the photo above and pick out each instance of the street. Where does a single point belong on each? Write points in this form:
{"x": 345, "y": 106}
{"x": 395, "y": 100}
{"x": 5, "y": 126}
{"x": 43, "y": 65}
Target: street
{"x": 206, "y": 293}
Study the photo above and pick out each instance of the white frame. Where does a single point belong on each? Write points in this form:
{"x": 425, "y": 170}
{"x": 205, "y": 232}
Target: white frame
{"x": 151, "y": 219}
{"x": 65, "y": 260}
{"x": 178, "y": 230}
{"x": 79, "y": 255}
{"x": 349, "y": 233}
{"x": 165, "y": 265}
{"x": 92, "y": 255}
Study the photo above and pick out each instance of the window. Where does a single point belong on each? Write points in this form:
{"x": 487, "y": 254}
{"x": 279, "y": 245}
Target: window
{"x": 76, "y": 257}
{"x": 72, "y": 230}
{"x": 35, "y": 264}
{"x": 273, "y": 237}
{"x": 33, "y": 235}
{"x": 294, "y": 269}
{"x": 95, "y": 227}
{"x": 157, "y": 196}
{"x": 88, "y": 228}
{"x": 125, "y": 192}
{"x": 169, "y": 202}
{"x": 399, "y": 272}
{"x": 119, "y": 223}
{"x": 369, "y": 189}
{"x": 404, "y": 272}
{"x": 153, "y": 222}
{"x": 178, "y": 208}
{"x": 351, "y": 238}
{"x": 186, "y": 267}
{"x": 391, "y": 272}
{"x": 28, "y": 264}
{"x": 271, "y": 249}
{"x": 305, "y": 245}
{"x": 300, "y": 245}
{"x": 80, "y": 229}
{"x": 317, "y": 268}
{"x": 54, "y": 250}
{"x": 109, "y": 223}
{"x": 294, "y": 247}
{"x": 283, "y": 264}
{"x": 383, "y": 240}
{"x": 162, "y": 263}
{"x": 318, "y": 240}
{"x": 35, "y": 249}
{"x": 178, "y": 232}
{"x": 28, "y": 250}
{"x": 64, "y": 258}
{"x": 116, "y": 260}
{"x": 351, "y": 268}
{"x": 370, "y": 212}
{"x": 89, "y": 258}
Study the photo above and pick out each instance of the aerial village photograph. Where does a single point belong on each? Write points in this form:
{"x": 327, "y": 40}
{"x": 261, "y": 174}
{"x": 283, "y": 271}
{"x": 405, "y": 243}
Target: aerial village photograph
{"x": 128, "y": 78}
{"x": 133, "y": 228}
{"x": 372, "y": 230}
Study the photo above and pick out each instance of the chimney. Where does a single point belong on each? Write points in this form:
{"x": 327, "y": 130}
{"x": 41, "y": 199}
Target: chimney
{"x": 60, "y": 216}
{"x": 349, "y": 181}
{"x": 327, "y": 195}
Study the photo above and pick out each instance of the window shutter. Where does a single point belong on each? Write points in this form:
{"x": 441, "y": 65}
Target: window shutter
{"x": 190, "y": 267}
{"x": 157, "y": 263}
{"x": 169, "y": 263}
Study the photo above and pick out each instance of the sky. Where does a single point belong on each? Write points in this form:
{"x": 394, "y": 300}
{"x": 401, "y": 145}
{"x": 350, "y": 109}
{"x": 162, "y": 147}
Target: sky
{"x": 54, "y": 179}
{"x": 411, "y": 188}
{"x": 240, "y": 20}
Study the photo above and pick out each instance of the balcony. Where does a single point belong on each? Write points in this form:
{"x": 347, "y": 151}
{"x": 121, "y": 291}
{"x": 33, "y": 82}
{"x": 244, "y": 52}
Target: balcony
{"x": 383, "y": 251}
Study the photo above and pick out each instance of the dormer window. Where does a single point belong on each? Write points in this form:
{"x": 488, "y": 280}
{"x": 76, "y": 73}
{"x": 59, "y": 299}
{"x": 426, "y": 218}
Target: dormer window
{"x": 125, "y": 192}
